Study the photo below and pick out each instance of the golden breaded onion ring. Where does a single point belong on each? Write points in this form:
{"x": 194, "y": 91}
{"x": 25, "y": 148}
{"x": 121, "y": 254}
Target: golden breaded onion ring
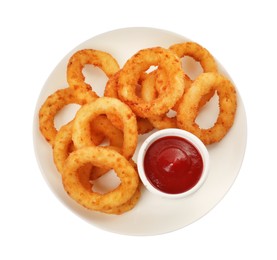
{"x": 198, "y": 53}
{"x": 100, "y": 157}
{"x": 110, "y": 106}
{"x": 79, "y": 59}
{"x": 190, "y": 104}
{"x": 87, "y": 173}
{"x": 139, "y": 63}
{"x": 54, "y": 103}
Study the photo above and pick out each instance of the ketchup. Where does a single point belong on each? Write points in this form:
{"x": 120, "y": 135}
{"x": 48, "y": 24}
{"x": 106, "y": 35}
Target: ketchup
{"x": 173, "y": 165}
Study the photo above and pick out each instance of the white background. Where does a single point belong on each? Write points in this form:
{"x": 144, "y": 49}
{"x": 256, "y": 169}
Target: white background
{"x": 36, "y": 35}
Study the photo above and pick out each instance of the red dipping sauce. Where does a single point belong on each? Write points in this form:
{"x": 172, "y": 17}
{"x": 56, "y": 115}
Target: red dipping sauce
{"x": 173, "y": 165}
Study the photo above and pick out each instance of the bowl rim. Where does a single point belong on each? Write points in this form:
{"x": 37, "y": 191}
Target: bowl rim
{"x": 194, "y": 140}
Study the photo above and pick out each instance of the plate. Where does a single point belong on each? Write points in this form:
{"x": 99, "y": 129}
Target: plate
{"x": 152, "y": 215}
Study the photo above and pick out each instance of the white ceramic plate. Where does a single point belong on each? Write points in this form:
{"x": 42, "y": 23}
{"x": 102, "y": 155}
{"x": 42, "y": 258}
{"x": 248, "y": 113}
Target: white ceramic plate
{"x": 152, "y": 215}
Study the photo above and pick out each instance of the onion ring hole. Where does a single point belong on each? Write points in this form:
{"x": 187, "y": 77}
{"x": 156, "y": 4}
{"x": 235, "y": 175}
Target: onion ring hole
{"x": 151, "y": 68}
{"x": 106, "y": 182}
{"x": 65, "y": 115}
{"x": 191, "y": 67}
{"x": 208, "y": 113}
{"x": 95, "y": 76}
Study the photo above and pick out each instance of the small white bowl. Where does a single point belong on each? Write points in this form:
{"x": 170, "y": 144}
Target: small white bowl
{"x": 195, "y": 141}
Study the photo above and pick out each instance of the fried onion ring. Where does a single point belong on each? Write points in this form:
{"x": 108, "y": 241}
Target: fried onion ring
{"x": 86, "y": 173}
{"x": 100, "y": 156}
{"x": 130, "y": 204}
{"x": 198, "y": 53}
{"x": 54, "y": 103}
{"x": 79, "y": 59}
{"x": 63, "y": 146}
{"x": 105, "y": 105}
{"x": 190, "y": 104}
{"x": 136, "y": 66}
